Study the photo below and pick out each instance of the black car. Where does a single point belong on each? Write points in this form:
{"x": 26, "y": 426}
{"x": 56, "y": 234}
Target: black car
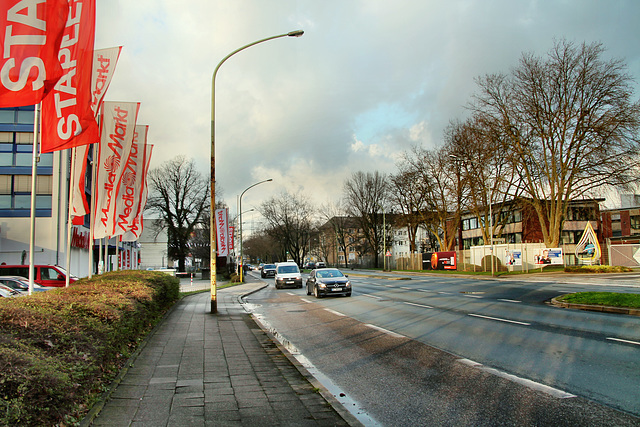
{"x": 268, "y": 270}
{"x": 328, "y": 281}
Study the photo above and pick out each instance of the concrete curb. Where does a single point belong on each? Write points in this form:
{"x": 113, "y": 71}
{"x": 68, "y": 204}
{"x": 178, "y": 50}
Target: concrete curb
{"x": 600, "y": 308}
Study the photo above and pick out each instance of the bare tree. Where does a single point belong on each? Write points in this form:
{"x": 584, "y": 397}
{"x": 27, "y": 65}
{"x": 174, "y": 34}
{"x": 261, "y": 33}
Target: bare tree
{"x": 487, "y": 181}
{"x": 342, "y": 226}
{"x": 570, "y": 123}
{"x": 180, "y": 195}
{"x": 289, "y": 218}
{"x": 366, "y": 196}
{"x": 409, "y": 195}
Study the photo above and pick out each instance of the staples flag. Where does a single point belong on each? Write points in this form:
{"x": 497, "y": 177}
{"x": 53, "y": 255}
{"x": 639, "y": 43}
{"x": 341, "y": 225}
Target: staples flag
{"x": 67, "y": 118}
{"x": 134, "y": 229}
{"x": 104, "y": 65}
{"x": 30, "y": 37}
{"x": 222, "y": 232}
{"x": 117, "y": 131}
{"x": 130, "y": 187}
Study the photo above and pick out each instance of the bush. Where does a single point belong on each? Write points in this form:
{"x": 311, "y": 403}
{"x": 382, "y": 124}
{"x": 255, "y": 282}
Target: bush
{"x": 57, "y": 348}
{"x": 596, "y": 269}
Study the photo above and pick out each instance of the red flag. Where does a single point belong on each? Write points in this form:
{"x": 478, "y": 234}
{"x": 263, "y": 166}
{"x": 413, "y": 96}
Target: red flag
{"x": 79, "y": 206}
{"x": 118, "y": 126}
{"x": 30, "y": 36}
{"x": 67, "y": 118}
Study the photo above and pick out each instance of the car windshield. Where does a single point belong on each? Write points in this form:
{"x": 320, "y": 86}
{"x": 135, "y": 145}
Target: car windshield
{"x": 323, "y": 274}
{"x": 269, "y": 266}
{"x": 283, "y": 269}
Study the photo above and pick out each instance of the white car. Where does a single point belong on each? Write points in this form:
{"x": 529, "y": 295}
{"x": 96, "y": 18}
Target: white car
{"x": 288, "y": 275}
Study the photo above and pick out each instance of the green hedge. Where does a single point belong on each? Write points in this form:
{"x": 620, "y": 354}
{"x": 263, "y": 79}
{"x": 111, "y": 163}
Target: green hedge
{"x": 58, "y": 348}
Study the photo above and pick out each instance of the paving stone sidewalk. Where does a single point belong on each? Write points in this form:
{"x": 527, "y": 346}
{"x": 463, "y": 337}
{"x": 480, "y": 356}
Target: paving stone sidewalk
{"x": 206, "y": 369}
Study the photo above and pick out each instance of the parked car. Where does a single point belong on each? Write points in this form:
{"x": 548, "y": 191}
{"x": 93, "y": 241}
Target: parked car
{"x": 288, "y": 275}
{"x": 21, "y": 284}
{"x": 310, "y": 266}
{"x": 45, "y": 275}
{"x": 268, "y": 270}
{"x": 328, "y": 281}
{"x": 321, "y": 264}
{"x": 7, "y": 292}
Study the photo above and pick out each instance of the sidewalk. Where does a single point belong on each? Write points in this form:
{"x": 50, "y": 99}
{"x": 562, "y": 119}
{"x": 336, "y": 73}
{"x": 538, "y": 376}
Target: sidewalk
{"x": 206, "y": 369}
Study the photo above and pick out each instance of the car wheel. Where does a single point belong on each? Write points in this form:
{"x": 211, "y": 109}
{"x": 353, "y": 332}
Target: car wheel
{"x": 308, "y": 291}
{"x": 348, "y": 294}
{"x": 316, "y": 293}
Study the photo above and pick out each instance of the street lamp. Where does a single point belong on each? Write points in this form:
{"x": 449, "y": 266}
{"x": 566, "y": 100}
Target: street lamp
{"x": 242, "y": 259}
{"x": 213, "y": 240}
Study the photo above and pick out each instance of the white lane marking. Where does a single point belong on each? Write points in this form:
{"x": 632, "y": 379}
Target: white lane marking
{"x": 389, "y": 286}
{"x": 500, "y": 319}
{"x": 418, "y": 305}
{"x": 386, "y": 331}
{"x": 625, "y": 341}
{"x": 306, "y": 300}
{"x": 337, "y": 313}
{"x": 472, "y": 296}
{"x": 405, "y": 287}
{"x": 372, "y": 296}
{"x": 445, "y": 293}
{"x": 528, "y": 383}
{"x": 508, "y": 300}
{"x": 291, "y": 293}
{"x": 425, "y": 290}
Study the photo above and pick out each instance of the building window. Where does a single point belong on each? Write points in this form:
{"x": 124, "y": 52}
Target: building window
{"x": 15, "y": 192}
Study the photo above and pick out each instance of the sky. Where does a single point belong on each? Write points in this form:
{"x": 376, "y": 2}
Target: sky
{"x": 368, "y": 80}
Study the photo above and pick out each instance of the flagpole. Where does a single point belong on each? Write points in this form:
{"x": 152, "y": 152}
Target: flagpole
{"x": 71, "y": 189}
{"x": 92, "y": 210}
{"x": 34, "y": 173}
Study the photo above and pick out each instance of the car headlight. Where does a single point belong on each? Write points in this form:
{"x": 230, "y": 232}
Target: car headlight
{"x": 322, "y": 285}
{"x": 348, "y": 284}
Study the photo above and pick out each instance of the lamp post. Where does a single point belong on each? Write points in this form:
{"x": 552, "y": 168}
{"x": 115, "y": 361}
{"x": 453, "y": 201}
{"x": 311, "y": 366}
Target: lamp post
{"x": 213, "y": 240}
{"x": 242, "y": 194}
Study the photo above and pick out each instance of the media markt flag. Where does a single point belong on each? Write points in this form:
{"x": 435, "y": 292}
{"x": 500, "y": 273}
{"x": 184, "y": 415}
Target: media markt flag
{"x": 30, "y": 37}
{"x": 118, "y": 127}
{"x": 222, "y": 232}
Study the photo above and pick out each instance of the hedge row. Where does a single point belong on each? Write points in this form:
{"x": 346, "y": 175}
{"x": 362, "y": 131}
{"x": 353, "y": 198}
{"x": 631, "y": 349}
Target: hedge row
{"x": 59, "y": 348}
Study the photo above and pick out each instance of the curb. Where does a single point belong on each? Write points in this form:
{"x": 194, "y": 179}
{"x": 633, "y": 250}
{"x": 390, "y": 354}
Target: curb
{"x": 600, "y": 308}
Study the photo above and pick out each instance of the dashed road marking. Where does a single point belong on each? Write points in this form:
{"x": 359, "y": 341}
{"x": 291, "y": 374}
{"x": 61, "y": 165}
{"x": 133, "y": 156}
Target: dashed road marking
{"x": 500, "y": 319}
{"x": 528, "y": 383}
{"x": 625, "y": 341}
{"x": 386, "y": 331}
{"x": 337, "y": 313}
{"x": 508, "y": 300}
{"x": 418, "y": 305}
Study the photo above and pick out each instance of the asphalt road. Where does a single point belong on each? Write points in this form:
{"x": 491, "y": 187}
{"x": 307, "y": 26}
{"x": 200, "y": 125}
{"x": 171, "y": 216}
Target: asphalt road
{"x": 460, "y": 351}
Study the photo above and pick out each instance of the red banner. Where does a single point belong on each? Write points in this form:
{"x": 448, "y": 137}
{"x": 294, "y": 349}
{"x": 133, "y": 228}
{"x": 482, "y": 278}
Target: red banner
{"x": 118, "y": 127}
{"x": 30, "y": 37}
{"x": 222, "y": 232}
{"x": 67, "y": 118}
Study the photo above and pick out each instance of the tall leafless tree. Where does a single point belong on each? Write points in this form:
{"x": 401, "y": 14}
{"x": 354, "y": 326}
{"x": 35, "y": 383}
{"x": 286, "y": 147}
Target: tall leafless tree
{"x": 571, "y": 124}
{"x": 179, "y": 194}
{"x": 290, "y": 218}
{"x": 366, "y": 198}
{"x": 343, "y": 227}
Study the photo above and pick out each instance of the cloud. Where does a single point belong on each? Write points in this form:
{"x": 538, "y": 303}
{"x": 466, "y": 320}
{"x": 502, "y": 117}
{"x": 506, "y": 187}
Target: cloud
{"x": 366, "y": 81}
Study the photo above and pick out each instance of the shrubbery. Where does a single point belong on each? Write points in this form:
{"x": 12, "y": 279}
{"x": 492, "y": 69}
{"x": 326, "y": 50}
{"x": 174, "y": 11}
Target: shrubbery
{"x": 58, "y": 348}
{"x": 596, "y": 269}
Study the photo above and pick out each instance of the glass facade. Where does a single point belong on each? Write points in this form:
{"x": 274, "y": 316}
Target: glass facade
{"x": 16, "y": 158}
